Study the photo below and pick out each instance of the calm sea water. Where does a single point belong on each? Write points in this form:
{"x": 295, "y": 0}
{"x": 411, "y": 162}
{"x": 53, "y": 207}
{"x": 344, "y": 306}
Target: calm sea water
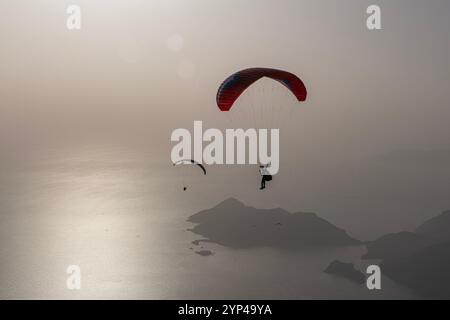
{"x": 121, "y": 217}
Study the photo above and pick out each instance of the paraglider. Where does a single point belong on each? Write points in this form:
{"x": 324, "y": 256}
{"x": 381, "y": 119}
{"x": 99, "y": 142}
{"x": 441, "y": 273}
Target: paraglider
{"x": 261, "y": 107}
{"x": 189, "y": 162}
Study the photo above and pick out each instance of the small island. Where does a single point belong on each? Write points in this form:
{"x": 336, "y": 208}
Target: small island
{"x": 235, "y": 225}
{"x": 204, "y": 253}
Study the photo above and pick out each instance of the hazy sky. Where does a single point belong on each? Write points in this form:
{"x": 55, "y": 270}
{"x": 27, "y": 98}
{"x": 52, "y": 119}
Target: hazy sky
{"x": 369, "y": 91}
{"x": 139, "y": 69}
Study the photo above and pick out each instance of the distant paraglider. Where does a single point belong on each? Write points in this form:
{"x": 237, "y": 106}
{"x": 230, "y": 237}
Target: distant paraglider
{"x": 190, "y": 162}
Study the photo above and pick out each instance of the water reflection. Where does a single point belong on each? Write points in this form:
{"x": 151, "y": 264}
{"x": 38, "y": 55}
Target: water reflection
{"x": 121, "y": 217}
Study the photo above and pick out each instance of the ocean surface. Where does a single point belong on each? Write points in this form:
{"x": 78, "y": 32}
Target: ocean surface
{"x": 121, "y": 217}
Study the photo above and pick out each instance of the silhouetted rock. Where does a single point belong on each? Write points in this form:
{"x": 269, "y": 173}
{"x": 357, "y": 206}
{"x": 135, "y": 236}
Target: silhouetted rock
{"x": 235, "y": 225}
{"x": 420, "y": 260}
{"x": 346, "y": 270}
{"x": 396, "y": 245}
{"x": 437, "y": 227}
{"x": 204, "y": 253}
{"x": 198, "y": 241}
{"x": 426, "y": 271}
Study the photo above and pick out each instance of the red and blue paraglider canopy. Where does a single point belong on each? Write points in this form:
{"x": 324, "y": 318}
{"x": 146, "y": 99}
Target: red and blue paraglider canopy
{"x": 238, "y": 82}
